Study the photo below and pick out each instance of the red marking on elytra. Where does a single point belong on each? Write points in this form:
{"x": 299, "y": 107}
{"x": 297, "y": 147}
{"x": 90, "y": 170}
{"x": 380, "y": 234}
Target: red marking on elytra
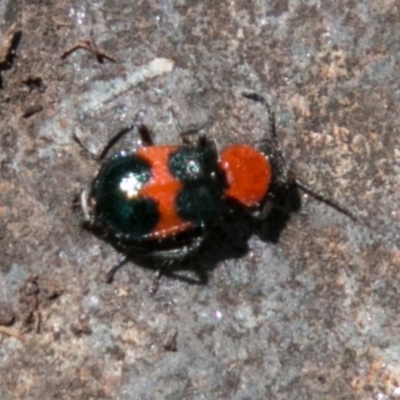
{"x": 163, "y": 188}
{"x": 248, "y": 174}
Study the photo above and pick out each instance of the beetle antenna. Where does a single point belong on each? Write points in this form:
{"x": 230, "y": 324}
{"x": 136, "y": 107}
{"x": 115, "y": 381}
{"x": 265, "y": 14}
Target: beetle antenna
{"x": 144, "y": 133}
{"x": 271, "y": 115}
{"x": 291, "y": 179}
{"x": 322, "y": 197}
{"x": 103, "y": 154}
{"x": 114, "y": 140}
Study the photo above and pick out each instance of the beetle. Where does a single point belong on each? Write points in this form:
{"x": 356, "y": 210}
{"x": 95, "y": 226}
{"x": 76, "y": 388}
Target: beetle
{"x": 160, "y": 201}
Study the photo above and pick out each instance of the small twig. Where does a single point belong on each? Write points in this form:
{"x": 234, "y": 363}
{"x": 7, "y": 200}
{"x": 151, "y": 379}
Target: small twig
{"x": 88, "y": 45}
{"x": 61, "y": 23}
{"x": 171, "y": 344}
{"x": 9, "y": 45}
{"x": 29, "y": 111}
{"x": 10, "y": 332}
{"x": 38, "y": 321}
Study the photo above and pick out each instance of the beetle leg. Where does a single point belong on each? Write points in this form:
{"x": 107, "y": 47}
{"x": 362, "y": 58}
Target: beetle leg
{"x": 157, "y": 277}
{"x": 110, "y": 274}
{"x": 271, "y": 115}
{"x": 145, "y": 135}
{"x": 186, "y": 133}
{"x": 180, "y": 253}
{"x": 85, "y": 150}
{"x": 85, "y": 207}
{"x": 171, "y": 256}
{"x": 263, "y": 212}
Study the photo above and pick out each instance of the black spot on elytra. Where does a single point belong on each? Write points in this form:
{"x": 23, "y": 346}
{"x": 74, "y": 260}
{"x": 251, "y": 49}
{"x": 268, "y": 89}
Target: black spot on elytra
{"x": 127, "y": 215}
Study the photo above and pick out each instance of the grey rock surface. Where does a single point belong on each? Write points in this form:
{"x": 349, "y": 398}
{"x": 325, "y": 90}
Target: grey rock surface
{"x": 310, "y": 315}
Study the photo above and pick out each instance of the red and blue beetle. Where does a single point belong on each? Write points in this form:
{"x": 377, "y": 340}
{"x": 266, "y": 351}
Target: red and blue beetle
{"x": 161, "y": 200}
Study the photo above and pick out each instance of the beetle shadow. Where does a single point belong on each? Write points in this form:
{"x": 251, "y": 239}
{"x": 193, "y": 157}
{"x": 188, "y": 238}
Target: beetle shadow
{"x": 229, "y": 239}
{"x": 226, "y": 239}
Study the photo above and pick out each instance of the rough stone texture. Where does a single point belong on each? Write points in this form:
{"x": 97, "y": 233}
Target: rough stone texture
{"x": 313, "y": 315}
